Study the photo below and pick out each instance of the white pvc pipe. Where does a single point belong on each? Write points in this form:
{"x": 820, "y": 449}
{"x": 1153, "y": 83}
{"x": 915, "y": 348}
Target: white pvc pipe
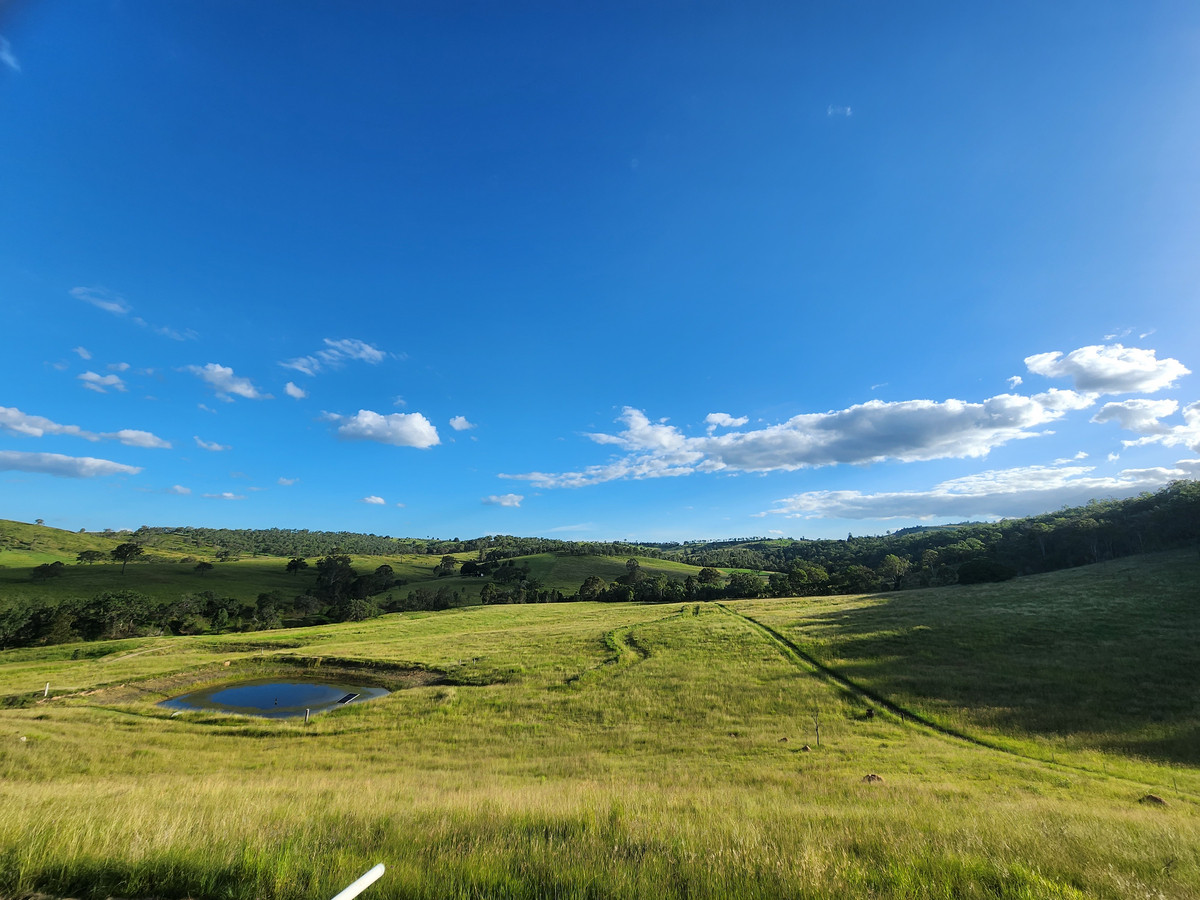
{"x": 364, "y": 881}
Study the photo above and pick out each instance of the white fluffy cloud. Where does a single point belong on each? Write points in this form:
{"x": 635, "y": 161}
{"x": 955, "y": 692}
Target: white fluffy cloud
{"x": 294, "y": 391}
{"x": 460, "y": 423}
{"x": 210, "y": 445}
{"x": 993, "y": 494}
{"x": 374, "y": 500}
{"x": 1109, "y": 369}
{"x": 131, "y": 437}
{"x": 503, "y": 500}
{"x": 62, "y": 466}
{"x": 724, "y": 420}
{"x": 1141, "y": 416}
{"x": 875, "y": 431}
{"x": 397, "y": 429}
{"x": 14, "y": 420}
{"x": 101, "y": 383}
{"x": 1187, "y": 434}
{"x": 223, "y": 382}
{"x": 335, "y": 353}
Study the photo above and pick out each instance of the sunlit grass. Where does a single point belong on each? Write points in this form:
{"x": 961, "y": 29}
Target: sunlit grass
{"x": 575, "y": 750}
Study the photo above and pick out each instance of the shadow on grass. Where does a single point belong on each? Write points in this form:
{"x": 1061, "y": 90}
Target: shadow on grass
{"x": 1106, "y": 653}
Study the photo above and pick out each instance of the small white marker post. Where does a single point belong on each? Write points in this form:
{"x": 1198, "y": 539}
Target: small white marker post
{"x": 46, "y": 693}
{"x": 363, "y": 882}
{"x": 306, "y": 712}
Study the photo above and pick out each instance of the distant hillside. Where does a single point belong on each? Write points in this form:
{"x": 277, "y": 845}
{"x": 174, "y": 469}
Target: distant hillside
{"x": 57, "y": 586}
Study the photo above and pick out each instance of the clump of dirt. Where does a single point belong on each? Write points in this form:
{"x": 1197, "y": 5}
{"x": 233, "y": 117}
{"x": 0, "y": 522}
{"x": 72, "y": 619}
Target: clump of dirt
{"x": 873, "y": 779}
{"x": 1152, "y": 800}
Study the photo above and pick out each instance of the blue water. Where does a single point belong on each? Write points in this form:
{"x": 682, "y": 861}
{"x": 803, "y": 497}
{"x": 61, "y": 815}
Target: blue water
{"x": 275, "y": 699}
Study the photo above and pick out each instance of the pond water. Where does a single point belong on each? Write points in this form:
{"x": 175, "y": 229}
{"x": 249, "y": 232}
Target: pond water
{"x": 275, "y": 698}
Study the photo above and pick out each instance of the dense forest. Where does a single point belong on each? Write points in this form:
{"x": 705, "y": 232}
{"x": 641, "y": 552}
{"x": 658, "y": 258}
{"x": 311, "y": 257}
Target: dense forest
{"x": 924, "y": 557}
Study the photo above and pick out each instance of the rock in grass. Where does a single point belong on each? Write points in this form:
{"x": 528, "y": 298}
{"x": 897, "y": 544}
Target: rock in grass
{"x": 805, "y": 748}
{"x": 1152, "y": 800}
{"x": 873, "y": 779}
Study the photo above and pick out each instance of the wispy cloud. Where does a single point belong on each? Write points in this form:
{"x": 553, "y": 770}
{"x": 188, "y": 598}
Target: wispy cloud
{"x": 101, "y": 383}
{"x": 397, "y": 429}
{"x": 991, "y": 494}
{"x": 224, "y": 383}
{"x": 6, "y": 55}
{"x": 503, "y": 500}
{"x": 226, "y": 495}
{"x": 373, "y": 500}
{"x": 61, "y": 466}
{"x": 102, "y": 298}
{"x": 83, "y": 352}
{"x": 179, "y": 489}
{"x": 1110, "y": 369}
{"x": 460, "y": 423}
{"x": 111, "y": 302}
{"x": 287, "y": 482}
{"x": 336, "y": 353}
{"x": 210, "y": 445}
{"x": 843, "y": 112}
{"x": 295, "y": 392}
{"x": 12, "y": 419}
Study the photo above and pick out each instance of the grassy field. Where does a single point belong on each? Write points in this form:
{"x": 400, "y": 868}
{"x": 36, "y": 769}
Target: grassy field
{"x": 1097, "y": 658}
{"x": 594, "y": 751}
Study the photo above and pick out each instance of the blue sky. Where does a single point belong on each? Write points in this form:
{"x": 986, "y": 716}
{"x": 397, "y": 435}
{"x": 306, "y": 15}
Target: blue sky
{"x": 649, "y": 271}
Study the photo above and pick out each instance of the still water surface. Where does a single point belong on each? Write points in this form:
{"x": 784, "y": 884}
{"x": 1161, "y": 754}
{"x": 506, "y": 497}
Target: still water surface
{"x": 275, "y": 699}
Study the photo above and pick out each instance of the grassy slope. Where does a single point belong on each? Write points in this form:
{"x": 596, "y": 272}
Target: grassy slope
{"x": 1099, "y": 657}
{"x": 606, "y": 751}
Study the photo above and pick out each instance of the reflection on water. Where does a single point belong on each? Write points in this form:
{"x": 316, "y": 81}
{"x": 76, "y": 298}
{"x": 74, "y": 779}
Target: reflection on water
{"x": 275, "y": 699}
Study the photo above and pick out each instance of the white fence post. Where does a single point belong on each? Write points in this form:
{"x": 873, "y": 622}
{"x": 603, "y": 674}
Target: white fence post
{"x": 363, "y": 882}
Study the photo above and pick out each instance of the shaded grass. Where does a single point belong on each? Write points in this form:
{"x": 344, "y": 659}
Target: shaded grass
{"x": 1100, "y": 657}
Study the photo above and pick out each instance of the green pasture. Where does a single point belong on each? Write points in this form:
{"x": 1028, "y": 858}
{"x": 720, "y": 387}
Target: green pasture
{"x": 1100, "y": 658}
{"x": 166, "y": 570}
{"x": 605, "y": 751}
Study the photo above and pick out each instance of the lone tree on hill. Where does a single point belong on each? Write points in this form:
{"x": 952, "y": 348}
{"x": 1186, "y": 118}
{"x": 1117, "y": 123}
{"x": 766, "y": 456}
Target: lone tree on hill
{"x": 123, "y": 553}
{"x": 90, "y": 556}
{"x": 296, "y": 563}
